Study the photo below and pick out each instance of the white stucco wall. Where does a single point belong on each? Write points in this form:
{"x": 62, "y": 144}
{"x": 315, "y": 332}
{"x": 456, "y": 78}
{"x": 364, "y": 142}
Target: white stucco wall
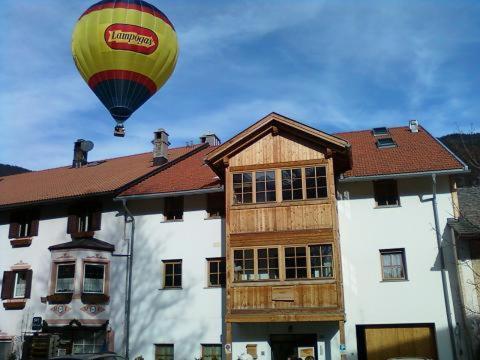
{"x": 364, "y": 230}
{"x": 52, "y": 231}
{"x": 186, "y": 317}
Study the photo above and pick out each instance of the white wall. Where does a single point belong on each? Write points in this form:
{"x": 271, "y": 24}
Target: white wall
{"x": 52, "y": 231}
{"x": 186, "y": 317}
{"x": 364, "y": 230}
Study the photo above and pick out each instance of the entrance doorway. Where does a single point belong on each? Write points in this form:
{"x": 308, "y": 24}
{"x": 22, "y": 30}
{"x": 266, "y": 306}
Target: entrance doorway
{"x": 292, "y": 346}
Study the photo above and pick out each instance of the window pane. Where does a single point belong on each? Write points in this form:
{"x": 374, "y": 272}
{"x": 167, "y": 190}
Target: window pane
{"x": 301, "y": 272}
{"x": 214, "y": 279}
{"x": 301, "y": 261}
{"x": 177, "y": 268}
{"x": 270, "y": 176}
{"x": 289, "y": 251}
{"x": 93, "y": 279}
{"x": 296, "y": 173}
{"x": 65, "y": 278}
{"x": 297, "y": 194}
{"x": 273, "y": 252}
{"x": 271, "y": 196}
{"x": 300, "y": 251}
{"x": 247, "y": 198}
{"x": 247, "y": 177}
{"x": 310, "y": 182}
{"x": 262, "y": 253}
{"x": 262, "y": 264}
{"x": 213, "y": 266}
{"x": 290, "y": 273}
{"x": 163, "y": 352}
{"x": 286, "y": 195}
{"x": 168, "y": 280}
{"x": 249, "y": 254}
{"x": 260, "y": 196}
{"x": 260, "y": 176}
{"x": 271, "y": 185}
{"x": 321, "y": 171}
{"x": 20, "y": 284}
{"x": 311, "y": 193}
{"x": 315, "y": 250}
{"x": 310, "y": 172}
{"x": 177, "y": 280}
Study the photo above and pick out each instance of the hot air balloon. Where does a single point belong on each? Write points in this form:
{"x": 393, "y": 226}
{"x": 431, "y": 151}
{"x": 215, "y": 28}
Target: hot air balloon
{"x": 125, "y": 50}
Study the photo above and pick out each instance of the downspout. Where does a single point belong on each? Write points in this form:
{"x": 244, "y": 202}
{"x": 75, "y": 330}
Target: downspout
{"x": 128, "y": 218}
{"x": 442, "y": 264}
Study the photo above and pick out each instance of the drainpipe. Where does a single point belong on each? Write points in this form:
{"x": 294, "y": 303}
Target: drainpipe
{"x": 442, "y": 264}
{"x": 128, "y": 218}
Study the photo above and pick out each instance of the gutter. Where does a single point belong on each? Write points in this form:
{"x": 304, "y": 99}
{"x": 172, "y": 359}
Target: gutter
{"x": 403, "y": 175}
{"x": 442, "y": 264}
{"x": 171, "y": 193}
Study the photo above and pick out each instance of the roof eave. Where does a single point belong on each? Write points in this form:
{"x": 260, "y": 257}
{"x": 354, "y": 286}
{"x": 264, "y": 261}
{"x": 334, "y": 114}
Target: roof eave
{"x": 159, "y": 195}
{"x": 403, "y": 175}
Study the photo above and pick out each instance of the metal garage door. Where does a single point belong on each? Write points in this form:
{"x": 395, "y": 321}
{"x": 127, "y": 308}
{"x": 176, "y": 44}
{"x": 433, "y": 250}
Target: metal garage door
{"x": 380, "y": 342}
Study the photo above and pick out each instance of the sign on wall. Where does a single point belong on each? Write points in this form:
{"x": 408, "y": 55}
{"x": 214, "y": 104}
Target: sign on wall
{"x": 37, "y": 323}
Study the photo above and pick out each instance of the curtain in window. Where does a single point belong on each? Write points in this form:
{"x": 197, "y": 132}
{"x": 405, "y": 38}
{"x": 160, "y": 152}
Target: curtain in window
{"x": 393, "y": 266}
{"x": 65, "y": 277}
{"x": 163, "y": 352}
{"x": 211, "y": 352}
{"x": 93, "y": 281}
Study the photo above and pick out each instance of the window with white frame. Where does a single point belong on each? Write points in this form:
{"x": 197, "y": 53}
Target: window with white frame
{"x": 88, "y": 342}
{"x": 65, "y": 278}
{"x": 93, "y": 280}
{"x": 20, "y": 284}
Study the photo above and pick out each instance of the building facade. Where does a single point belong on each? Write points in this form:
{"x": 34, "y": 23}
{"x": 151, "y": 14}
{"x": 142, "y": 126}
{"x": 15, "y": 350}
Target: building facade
{"x": 282, "y": 242}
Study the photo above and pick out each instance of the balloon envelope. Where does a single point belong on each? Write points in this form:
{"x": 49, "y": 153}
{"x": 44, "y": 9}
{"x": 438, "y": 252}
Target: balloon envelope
{"x": 125, "y": 50}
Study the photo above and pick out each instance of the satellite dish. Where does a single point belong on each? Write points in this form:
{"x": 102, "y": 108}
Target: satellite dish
{"x": 86, "y": 145}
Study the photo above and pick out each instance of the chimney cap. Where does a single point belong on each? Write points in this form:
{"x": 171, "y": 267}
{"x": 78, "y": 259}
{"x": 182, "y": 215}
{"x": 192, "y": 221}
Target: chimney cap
{"x": 211, "y": 138}
{"x": 413, "y": 125}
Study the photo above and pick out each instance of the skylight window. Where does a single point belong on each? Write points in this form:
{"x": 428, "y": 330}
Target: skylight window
{"x": 380, "y": 131}
{"x": 386, "y": 142}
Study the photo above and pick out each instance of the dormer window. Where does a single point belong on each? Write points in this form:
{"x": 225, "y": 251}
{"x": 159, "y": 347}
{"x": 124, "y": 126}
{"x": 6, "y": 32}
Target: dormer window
{"x": 380, "y": 131}
{"x": 386, "y": 142}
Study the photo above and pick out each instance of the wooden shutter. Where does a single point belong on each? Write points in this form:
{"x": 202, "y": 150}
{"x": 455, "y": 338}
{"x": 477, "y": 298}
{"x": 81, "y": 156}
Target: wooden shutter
{"x": 34, "y": 227}
{"x": 72, "y": 225}
{"x": 96, "y": 220}
{"x": 8, "y": 284}
{"x": 28, "y": 285}
{"x": 13, "y": 231}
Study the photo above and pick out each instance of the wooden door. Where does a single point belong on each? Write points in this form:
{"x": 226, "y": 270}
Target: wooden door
{"x": 384, "y": 342}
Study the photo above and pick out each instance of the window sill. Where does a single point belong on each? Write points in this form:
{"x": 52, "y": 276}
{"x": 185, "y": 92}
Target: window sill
{"x": 83, "y": 234}
{"x": 214, "y": 287}
{"x": 393, "y": 280}
{"x": 386, "y": 206}
{"x": 172, "y": 221}
{"x": 282, "y": 282}
{"x": 14, "y": 304}
{"x": 60, "y": 298}
{"x": 21, "y": 242}
{"x": 171, "y": 288}
{"x": 216, "y": 217}
{"x": 284, "y": 203}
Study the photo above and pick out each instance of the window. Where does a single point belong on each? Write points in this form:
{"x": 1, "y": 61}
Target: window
{"x": 211, "y": 351}
{"x": 65, "y": 278}
{"x": 393, "y": 264}
{"x": 163, "y": 351}
{"x": 386, "y": 142}
{"x": 216, "y": 272}
{"x": 243, "y": 264}
{"x": 256, "y": 264}
{"x": 5, "y": 349}
{"x": 380, "y": 131}
{"x": 16, "y": 284}
{"x": 93, "y": 279}
{"x": 23, "y": 225}
{"x": 385, "y": 192}
{"x": 173, "y": 208}
{"x": 316, "y": 182}
{"x": 20, "y": 284}
{"x": 265, "y": 186}
{"x": 292, "y": 184}
{"x": 321, "y": 261}
{"x": 88, "y": 342}
{"x": 267, "y": 263}
{"x": 242, "y": 188}
{"x": 84, "y": 219}
{"x": 296, "y": 262}
{"x": 216, "y": 205}
{"x": 309, "y": 262}
{"x": 252, "y": 350}
{"x": 172, "y": 273}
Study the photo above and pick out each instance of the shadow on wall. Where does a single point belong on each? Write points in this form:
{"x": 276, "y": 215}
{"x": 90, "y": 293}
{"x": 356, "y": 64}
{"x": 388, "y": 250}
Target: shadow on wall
{"x": 154, "y": 311}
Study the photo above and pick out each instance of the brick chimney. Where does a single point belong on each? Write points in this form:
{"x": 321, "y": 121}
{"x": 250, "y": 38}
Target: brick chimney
{"x": 160, "y": 147}
{"x": 210, "y": 138}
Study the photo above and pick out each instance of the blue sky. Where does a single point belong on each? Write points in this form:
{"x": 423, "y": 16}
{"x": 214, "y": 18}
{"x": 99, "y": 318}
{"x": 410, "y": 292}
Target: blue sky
{"x": 336, "y": 65}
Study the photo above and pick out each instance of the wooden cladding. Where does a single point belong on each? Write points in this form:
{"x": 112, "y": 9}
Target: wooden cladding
{"x": 281, "y": 218}
{"x": 318, "y": 295}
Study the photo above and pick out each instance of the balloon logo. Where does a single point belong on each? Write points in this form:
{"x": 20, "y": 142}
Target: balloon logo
{"x": 125, "y": 51}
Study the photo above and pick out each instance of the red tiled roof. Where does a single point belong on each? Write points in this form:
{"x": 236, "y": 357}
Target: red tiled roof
{"x": 415, "y": 152}
{"x": 68, "y": 182}
{"x": 189, "y": 174}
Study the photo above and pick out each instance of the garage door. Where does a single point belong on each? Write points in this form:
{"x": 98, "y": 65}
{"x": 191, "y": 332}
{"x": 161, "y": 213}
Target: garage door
{"x": 380, "y": 342}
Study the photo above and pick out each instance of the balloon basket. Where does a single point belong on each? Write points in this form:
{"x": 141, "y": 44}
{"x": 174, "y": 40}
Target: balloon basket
{"x": 119, "y": 131}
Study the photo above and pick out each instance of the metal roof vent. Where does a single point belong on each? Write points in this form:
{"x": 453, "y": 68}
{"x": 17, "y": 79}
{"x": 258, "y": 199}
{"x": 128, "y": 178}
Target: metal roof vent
{"x": 413, "y": 125}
